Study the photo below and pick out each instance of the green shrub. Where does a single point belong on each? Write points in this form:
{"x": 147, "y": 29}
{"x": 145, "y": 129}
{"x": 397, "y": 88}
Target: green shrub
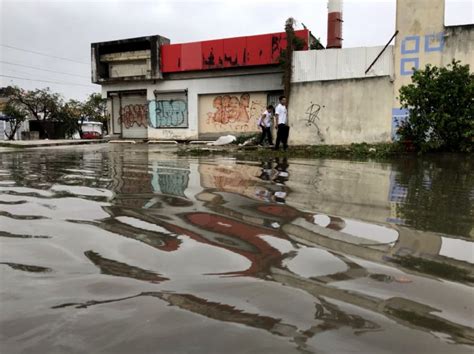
{"x": 441, "y": 108}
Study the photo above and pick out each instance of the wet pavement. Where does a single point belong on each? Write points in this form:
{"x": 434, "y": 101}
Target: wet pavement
{"x": 129, "y": 249}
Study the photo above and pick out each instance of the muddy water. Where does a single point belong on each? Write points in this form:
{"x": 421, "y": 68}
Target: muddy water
{"x": 126, "y": 249}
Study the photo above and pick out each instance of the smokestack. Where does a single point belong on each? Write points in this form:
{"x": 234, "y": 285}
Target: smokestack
{"x": 334, "y": 24}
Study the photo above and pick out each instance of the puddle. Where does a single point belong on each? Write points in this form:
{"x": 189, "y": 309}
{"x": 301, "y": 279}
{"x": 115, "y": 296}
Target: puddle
{"x": 216, "y": 255}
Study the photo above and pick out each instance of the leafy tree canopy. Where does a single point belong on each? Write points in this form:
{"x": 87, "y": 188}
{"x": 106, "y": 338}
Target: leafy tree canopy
{"x": 441, "y": 108}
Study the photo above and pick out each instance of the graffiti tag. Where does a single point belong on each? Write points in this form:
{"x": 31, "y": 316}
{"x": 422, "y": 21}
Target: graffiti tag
{"x": 230, "y": 109}
{"x": 169, "y": 134}
{"x": 133, "y": 114}
{"x": 312, "y": 114}
{"x": 171, "y": 113}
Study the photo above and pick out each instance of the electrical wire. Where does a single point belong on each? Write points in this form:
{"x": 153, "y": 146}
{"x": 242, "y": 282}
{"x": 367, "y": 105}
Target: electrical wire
{"x": 44, "y": 54}
{"x": 37, "y": 68}
{"x": 51, "y": 82}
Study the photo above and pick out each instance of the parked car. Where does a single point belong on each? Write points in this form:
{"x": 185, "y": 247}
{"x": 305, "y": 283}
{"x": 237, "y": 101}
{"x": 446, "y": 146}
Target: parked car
{"x": 90, "y": 130}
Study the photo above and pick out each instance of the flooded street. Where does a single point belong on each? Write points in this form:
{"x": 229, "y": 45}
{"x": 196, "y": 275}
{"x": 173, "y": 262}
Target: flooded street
{"x": 129, "y": 249}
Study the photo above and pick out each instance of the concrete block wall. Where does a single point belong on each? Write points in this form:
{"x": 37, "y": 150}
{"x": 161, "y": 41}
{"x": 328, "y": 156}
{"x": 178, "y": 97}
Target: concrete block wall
{"x": 340, "y": 111}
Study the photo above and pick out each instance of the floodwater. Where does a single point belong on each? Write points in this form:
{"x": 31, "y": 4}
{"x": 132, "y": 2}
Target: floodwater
{"x": 129, "y": 249}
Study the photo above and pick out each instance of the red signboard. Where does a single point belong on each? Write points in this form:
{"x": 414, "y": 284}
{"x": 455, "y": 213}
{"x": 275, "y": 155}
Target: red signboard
{"x": 226, "y": 53}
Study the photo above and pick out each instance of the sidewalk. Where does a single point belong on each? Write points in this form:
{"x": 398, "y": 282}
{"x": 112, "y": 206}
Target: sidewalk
{"x": 46, "y": 143}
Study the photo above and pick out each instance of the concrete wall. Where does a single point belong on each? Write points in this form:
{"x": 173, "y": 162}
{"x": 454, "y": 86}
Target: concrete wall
{"x": 420, "y": 39}
{"x": 340, "y": 111}
{"x": 135, "y": 63}
{"x": 337, "y": 64}
{"x": 194, "y": 88}
{"x": 127, "y": 59}
{"x": 459, "y": 45}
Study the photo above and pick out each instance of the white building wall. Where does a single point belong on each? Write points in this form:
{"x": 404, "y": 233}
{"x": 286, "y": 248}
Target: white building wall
{"x": 337, "y": 64}
{"x": 195, "y": 87}
{"x": 5, "y": 127}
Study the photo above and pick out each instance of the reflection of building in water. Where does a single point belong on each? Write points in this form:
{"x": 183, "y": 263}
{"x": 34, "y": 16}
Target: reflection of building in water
{"x": 260, "y": 253}
{"x": 129, "y": 170}
{"x": 241, "y": 179}
{"x": 343, "y": 188}
{"x": 119, "y": 269}
{"x": 230, "y": 220}
{"x": 170, "y": 177}
{"x": 433, "y": 194}
{"x": 164, "y": 241}
{"x": 397, "y": 195}
{"x": 228, "y": 215}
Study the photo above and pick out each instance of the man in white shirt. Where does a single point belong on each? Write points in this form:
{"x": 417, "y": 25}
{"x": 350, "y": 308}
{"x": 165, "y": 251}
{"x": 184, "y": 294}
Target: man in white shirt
{"x": 265, "y": 122}
{"x": 281, "y": 115}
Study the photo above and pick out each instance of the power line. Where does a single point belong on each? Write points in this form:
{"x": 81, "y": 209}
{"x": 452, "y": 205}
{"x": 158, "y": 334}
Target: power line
{"x": 51, "y": 82}
{"x": 37, "y": 68}
{"x": 44, "y": 54}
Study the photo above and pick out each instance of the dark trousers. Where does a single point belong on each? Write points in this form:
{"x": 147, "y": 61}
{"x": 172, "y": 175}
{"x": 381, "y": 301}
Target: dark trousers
{"x": 266, "y": 132}
{"x": 282, "y": 136}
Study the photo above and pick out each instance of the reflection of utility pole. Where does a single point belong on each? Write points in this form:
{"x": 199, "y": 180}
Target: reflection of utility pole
{"x": 327, "y": 315}
{"x": 406, "y": 312}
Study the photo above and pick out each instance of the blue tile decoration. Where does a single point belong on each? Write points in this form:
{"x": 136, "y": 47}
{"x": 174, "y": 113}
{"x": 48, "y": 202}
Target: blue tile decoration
{"x": 439, "y": 42}
{"x": 414, "y": 41}
{"x": 407, "y": 65}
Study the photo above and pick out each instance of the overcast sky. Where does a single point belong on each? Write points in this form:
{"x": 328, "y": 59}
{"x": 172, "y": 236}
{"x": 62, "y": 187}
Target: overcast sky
{"x": 65, "y": 29}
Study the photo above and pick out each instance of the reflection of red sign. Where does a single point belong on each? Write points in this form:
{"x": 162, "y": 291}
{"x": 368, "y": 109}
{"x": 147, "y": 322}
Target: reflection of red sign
{"x": 262, "y": 259}
{"x": 262, "y": 49}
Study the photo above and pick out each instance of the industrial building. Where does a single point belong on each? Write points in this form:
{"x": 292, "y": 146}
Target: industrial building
{"x": 202, "y": 90}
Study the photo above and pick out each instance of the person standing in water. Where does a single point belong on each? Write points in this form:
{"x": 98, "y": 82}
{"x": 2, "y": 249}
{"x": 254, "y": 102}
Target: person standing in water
{"x": 265, "y": 123}
{"x": 281, "y": 115}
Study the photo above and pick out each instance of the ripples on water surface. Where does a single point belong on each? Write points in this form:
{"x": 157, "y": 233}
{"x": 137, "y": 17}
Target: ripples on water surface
{"x": 124, "y": 249}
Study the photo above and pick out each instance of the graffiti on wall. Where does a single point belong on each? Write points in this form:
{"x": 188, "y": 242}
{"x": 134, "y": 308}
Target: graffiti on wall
{"x": 312, "y": 114}
{"x": 231, "y": 112}
{"x": 256, "y": 110}
{"x": 411, "y": 47}
{"x": 312, "y": 117}
{"x": 171, "y": 113}
{"x": 133, "y": 114}
{"x": 230, "y": 109}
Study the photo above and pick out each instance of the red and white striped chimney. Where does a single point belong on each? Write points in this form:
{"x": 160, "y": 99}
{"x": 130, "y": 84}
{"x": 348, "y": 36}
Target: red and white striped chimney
{"x": 334, "y": 24}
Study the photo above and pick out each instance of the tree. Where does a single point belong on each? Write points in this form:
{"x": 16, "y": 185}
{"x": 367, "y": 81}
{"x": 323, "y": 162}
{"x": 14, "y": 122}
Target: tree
{"x": 286, "y": 57}
{"x": 441, "y": 108}
{"x": 71, "y": 116}
{"x": 42, "y": 104}
{"x": 17, "y": 115}
{"x": 95, "y": 108}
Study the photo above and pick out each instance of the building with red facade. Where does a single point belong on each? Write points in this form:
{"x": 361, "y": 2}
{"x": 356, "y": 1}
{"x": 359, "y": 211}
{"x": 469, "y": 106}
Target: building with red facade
{"x": 186, "y": 91}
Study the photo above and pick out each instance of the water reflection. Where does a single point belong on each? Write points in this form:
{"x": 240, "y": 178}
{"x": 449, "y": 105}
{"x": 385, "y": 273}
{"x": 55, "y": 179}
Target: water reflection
{"x": 119, "y": 269}
{"x": 27, "y": 268}
{"x": 435, "y": 194}
{"x": 190, "y": 230}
